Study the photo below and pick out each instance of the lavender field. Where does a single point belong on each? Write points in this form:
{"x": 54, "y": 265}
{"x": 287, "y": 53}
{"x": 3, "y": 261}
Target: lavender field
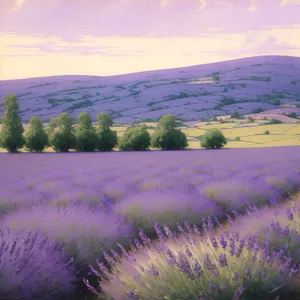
{"x": 61, "y": 213}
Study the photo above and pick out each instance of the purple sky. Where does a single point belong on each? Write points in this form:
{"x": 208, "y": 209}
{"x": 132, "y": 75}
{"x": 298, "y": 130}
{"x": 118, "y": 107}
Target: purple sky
{"x": 107, "y": 37}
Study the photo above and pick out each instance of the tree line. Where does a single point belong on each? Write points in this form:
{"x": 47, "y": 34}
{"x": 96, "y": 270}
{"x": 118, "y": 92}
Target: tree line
{"x": 62, "y": 136}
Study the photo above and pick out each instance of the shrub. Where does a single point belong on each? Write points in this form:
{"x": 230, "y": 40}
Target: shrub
{"x": 63, "y": 138}
{"x": 266, "y": 132}
{"x": 106, "y": 138}
{"x": 81, "y": 230}
{"x": 11, "y": 135}
{"x": 258, "y": 110}
{"x": 277, "y": 227}
{"x": 135, "y": 139}
{"x": 36, "y": 138}
{"x": 213, "y": 139}
{"x": 275, "y": 121}
{"x": 169, "y": 140}
{"x": 32, "y": 267}
{"x": 188, "y": 267}
{"x": 236, "y": 115}
{"x": 237, "y": 138}
{"x": 165, "y": 205}
{"x": 86, "y": 138}
{"x": 166, "y": 122}
{"x": 292, "y": 115}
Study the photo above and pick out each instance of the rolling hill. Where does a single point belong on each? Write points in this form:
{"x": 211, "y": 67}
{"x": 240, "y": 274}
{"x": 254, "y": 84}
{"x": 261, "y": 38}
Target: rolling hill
{"x": 250, "y": 85}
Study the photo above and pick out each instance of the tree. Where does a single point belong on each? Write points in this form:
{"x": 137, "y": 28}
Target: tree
{"x": 36, "y": 138}
{"x": 166, "y": 122}
{"x": 86, "y": 138}
{"x": 166, "y": 137}
{"x": 54, "y": 123}
{"x": 106, "y": 138}
{"x": 236, "y": 115}
{"x": 63, "y": 138}
{"x": 266, "y": 132}
{"x": 11, "y": 135}
{"x": 169, "y": 140}
{"x": 135, "y": 139}
{"x": 213, "y": 139}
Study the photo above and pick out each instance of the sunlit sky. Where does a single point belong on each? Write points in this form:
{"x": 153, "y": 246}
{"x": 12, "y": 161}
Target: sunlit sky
{"x": 109, "y": 37}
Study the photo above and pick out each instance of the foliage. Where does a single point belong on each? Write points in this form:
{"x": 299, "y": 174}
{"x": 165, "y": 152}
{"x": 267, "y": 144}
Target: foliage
{"x": 166, "y": 122}
{"x": 106, "y": 138}
{"x": 266, "y": 132}
{"x": 86, "y": 138}
{"x": 237, "y": 138}
{"x": 11, "y": 135}
{"x": 135, "y": 139}
{"x": 195, "y": 266}
{"x": 63, "y": 138}
{"x": 169, "y": 139}
{"x": 236, "y": 115}
{"x": 104, "y": 121}
{"x": 36, "y": 138}
{"x": 26, "y": 274}
{"x": 213, "y": 139}
{"x": 275, "y": 121}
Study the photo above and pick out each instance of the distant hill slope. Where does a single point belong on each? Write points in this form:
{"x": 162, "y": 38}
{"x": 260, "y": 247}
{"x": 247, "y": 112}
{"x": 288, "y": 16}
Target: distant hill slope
{"x": 191, "y": 93}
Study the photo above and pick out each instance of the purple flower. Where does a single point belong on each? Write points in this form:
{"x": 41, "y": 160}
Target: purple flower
{"x": 187, "y": 226}
{"x": 171, "y": 260}
{"x": 168, "y": 231}
{"x": 153, "y": 270}
{"x": 188, "y": 252}
{"x": 223, "y": 242}
{"x": 289, "y": 214}
{"x": 145, "y": 239}
{"x": 235, "y": 276}
{"x": 197, "y": 269}
{"x": 214, "y": 242}
{"x": 223, "y": 260}
{"x": 158, "y": 232}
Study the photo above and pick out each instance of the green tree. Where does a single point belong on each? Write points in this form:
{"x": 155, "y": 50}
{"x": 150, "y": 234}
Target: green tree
{"x": 166, "y": 137}
{"x": 106, "y": 138}
{"x": 166, "y": 122}
{"x": 213, "y": 139}
{"x": 135, "y": 139}
{"x": 63, "y": 137}
{"x": 236, "y": 115}
{"x": 36, "y": 138}
{"x": 11, "y": 135}
{"x": 86, "y": 138}
{"x": 169, "y": 140}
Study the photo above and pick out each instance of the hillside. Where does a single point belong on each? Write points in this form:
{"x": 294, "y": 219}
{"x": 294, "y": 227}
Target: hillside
{"x": 269, "y": 83}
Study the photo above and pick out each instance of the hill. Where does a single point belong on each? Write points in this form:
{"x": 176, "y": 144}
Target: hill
{"x": 248, "y": 85}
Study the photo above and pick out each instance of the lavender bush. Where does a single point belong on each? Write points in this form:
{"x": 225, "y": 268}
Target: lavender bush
{"x": 82, "y": 231}
{"x": 33, "y": 267}
{"x": 278, "y": 227}
{"x": 165, "y": 206}
{"x": 191, "y": 266}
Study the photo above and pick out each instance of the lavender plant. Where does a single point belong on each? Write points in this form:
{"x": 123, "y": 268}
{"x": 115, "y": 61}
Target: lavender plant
{"x": 82, "y": 231}
{"x": 193, "y": 266}
{"x": 32, "y": 267}
{"x": 278, "y": 226}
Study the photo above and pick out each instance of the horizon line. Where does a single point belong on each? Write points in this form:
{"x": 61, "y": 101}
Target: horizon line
{"x": 151, "y": 70}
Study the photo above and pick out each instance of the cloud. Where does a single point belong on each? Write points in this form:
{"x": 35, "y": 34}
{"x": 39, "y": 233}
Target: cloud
{"x": 253, "y": 5}
{"x": 29, "y": 56}
{"x": 17, "y": 5}
{"x": 289, "y": 2}
{"x": 202, "y": 5}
